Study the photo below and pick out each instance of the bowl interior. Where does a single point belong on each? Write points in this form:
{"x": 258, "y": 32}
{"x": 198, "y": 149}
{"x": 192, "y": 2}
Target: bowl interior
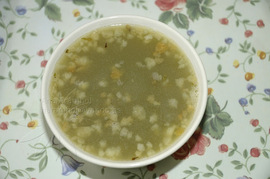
{"x": 120, "y": 20}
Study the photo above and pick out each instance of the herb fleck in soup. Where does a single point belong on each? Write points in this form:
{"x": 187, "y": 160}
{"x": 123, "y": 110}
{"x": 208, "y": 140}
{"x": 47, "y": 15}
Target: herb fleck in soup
{"x": 123, "y": 92}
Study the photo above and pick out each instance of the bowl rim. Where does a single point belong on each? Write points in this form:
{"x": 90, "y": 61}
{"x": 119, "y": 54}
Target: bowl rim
{"x": 135, "y": 20}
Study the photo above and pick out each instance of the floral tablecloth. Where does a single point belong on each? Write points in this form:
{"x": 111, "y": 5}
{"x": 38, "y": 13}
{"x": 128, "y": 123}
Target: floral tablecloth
{"x": 232, "y": 38}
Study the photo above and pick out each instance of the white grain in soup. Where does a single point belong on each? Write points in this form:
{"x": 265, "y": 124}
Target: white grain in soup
{"x": 123, "y": 92}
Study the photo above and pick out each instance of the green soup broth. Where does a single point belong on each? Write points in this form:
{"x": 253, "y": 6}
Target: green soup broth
{"x": 123, "y": 92}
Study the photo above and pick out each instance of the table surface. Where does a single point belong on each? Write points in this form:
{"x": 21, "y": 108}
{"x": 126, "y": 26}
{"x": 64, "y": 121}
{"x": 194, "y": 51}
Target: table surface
{"x": 232, "y": 39}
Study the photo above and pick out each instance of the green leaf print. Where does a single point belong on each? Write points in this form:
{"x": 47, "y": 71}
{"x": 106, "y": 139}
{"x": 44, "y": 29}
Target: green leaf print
{"x": 199, "y": 8}
{"x": 181, "y": 21}
{"x": 166, "y": 17}
{"x": 215, "y": 120}
{"x": 12, "y": 175}
{"x": 36, "y": 156}
{"x": 52, "y": 11}
{"x": 19, "y": 173}
{"x": 43, "y": 163}
{"x": 30, "y": 169}
{"x": 83, "y": 2}
{"x": 4, "y": 168}
{"x": 41, "y": 3}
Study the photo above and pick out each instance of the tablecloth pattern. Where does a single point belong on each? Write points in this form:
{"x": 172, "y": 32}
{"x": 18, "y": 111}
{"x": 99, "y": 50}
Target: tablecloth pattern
{"x": 232, "y": 38}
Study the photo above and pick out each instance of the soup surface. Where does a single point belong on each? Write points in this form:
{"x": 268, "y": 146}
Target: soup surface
{"x": 123, "y": 92}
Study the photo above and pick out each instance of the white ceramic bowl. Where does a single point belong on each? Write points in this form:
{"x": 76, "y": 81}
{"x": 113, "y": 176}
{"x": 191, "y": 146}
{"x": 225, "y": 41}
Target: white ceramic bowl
{"x": 135, "y": 20}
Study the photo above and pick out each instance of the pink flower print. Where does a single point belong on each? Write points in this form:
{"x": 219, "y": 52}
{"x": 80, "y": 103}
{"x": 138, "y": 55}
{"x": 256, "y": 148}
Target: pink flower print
{"x": 43, "y": 63}
{"x": 151, "y": 167}
{"x": 260, "y": 23}
{"x": 248, "y": 33}
{"x": 163, "y": 176}
{"x": 20, "y": 84}
{"x": 4, "y": 126}
{"x": 181, "y": 153}
{"x": 255, "y": 152}
{"x": 40, "y": 53}
{"x": 223, "y": 148}
{"x": 254, "y": 122}
{"x": 166, "y": 5}
{"x": 195, "y": 145}
{"x": 202, "y": 142}
{"x": 224, "y": 21}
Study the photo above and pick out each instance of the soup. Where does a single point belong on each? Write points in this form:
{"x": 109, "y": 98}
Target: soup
{"x": 123, "y": 92}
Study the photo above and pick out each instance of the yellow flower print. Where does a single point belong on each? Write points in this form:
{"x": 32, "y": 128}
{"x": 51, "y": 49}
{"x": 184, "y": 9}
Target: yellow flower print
{"x": 261, "y": 54}
{"x": 32, "y": 124}
{"x": 76, "y": 13}
{"x": 236, "y": 63}
{"x": 249, "y": 76}
{"x": 210, "y": 91}
{"x": 7, "y": 109}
